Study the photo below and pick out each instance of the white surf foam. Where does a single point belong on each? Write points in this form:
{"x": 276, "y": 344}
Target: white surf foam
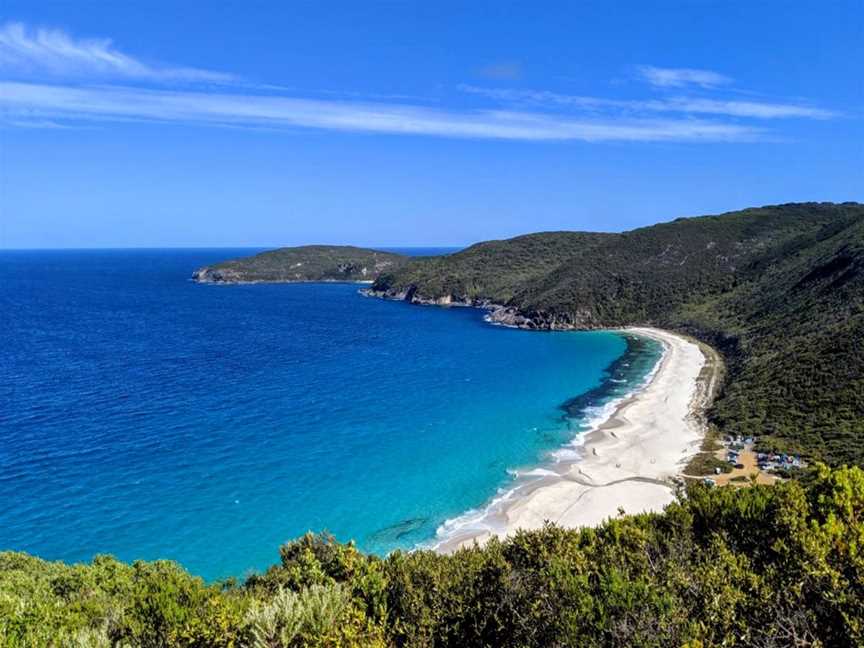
{"x": 486, "y": 519}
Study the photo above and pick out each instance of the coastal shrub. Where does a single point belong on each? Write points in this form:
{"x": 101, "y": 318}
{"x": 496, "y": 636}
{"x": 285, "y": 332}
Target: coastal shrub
{"x": 315, "y": 613}
{"x": 706, "y": 463}
{"x": 275, "y": 623}
{"x": 763, "y": 566}
{"x": 318, "y": 559}
{"x": 90, "y": 638}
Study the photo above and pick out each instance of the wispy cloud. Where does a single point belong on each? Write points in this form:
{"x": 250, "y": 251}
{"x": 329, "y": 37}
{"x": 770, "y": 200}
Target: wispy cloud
{"x": 538, "y": 97}
{"x": 55, "y": 80}
{"x": 502, "y": 71}
{"x": 53, "y": 52}
{"x": 690, "y": 105}
{"x": 681, "y": 77}
{"x": 756, "y": 109}
{"x": 37, "y": 101}
{"x": 41, "y": 124}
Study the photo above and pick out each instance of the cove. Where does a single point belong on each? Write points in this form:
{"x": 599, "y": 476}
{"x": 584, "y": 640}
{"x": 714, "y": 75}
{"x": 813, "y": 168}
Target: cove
{"x": 149, "y": 417}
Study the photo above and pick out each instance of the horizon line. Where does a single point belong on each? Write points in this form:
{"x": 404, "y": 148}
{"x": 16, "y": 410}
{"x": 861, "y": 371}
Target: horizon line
{"x": 226, "y": 247}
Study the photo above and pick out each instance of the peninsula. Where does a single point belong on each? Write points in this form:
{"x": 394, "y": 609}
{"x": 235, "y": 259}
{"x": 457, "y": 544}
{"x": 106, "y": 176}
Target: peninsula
{"x": 304, "y": 264}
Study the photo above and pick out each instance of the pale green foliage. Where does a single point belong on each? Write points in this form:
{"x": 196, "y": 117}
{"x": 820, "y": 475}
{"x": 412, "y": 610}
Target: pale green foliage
{"x": 289, "y": 616}
{"x": 323, "y": 606}
{"x": 276, "y": 623}
{"x": 90, "y": 638}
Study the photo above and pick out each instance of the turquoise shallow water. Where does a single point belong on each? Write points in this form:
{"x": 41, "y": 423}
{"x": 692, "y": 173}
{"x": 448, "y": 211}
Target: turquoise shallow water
{"x": 150, "y": 417}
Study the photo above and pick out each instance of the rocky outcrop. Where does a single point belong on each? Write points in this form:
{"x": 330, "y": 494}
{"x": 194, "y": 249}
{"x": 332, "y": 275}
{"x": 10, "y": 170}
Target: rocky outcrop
{"x": 536, "y": 320}
{"x": 498, "y": 314}
{"x": 216, "y": 275}
{"x": 410, "y": 294}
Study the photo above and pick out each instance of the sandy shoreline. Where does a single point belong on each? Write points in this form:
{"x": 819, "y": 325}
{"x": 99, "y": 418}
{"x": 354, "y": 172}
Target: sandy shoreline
{"x": 628, "y": 462}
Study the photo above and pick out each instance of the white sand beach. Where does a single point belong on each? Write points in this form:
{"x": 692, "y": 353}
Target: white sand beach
{"x": 628, "y": 462}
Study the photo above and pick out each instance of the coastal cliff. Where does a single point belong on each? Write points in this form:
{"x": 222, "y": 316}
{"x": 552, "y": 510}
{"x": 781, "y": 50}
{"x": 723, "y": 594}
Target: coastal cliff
{"x": 497, "y": 313}
{"x": 302, "y": 264}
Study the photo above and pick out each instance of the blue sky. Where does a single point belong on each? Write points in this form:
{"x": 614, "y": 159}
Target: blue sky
{"x": 148, "y": 124}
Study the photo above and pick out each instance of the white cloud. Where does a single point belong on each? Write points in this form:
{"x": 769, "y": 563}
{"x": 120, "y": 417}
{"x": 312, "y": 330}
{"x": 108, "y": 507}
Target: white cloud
{"x": 681, "y": 77}
{"x": 503, "y": 71}
{"x": 35, "y": 101}
{"x": 732, "y": 108}
{"x": 745, "y": 108}
{"x": 539, "y": 97}
{"x": 55, "y": 53}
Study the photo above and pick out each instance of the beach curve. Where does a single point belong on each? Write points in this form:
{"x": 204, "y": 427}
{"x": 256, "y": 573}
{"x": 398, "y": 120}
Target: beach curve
{"x": 628, "y": 462}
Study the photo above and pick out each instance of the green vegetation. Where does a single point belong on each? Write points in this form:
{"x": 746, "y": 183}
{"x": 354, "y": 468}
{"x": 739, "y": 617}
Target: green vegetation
{"x": 494, "y": 270}
{"x": 779, "y": 291}
{"x": 307, "y": 263}
{"x": 759, "y": 566}
{"x": 705, "y": 463}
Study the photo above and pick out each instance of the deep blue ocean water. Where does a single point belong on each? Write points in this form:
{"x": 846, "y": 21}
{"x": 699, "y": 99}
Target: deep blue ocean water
{"x": 146, "y": 416}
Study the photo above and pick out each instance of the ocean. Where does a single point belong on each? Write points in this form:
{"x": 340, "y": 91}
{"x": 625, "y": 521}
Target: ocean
{"x": 145, "y": 416}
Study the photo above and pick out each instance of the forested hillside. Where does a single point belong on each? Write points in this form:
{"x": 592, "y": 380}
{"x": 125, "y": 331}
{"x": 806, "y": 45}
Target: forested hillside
{"x": 763, "y": 567}
{"x": 778, "y": 290}
{"x": 495, "y": 270}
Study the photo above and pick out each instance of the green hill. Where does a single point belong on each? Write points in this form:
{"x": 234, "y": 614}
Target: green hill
{"x": 778, "y": 290}
{"x": 494, "y": 270}
{"x": 306, "y": 263}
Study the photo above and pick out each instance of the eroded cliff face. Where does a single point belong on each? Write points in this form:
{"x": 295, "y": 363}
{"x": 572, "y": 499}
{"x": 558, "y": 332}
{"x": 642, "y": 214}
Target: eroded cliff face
{"x": 497, "y": 313}
{"x": 581, "y": 320}
{"x": 410, "y": 294}
{"x": 214, "y": 275}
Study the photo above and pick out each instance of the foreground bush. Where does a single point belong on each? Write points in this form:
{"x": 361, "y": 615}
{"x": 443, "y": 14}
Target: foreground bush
{"x": 761, "y": 566}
